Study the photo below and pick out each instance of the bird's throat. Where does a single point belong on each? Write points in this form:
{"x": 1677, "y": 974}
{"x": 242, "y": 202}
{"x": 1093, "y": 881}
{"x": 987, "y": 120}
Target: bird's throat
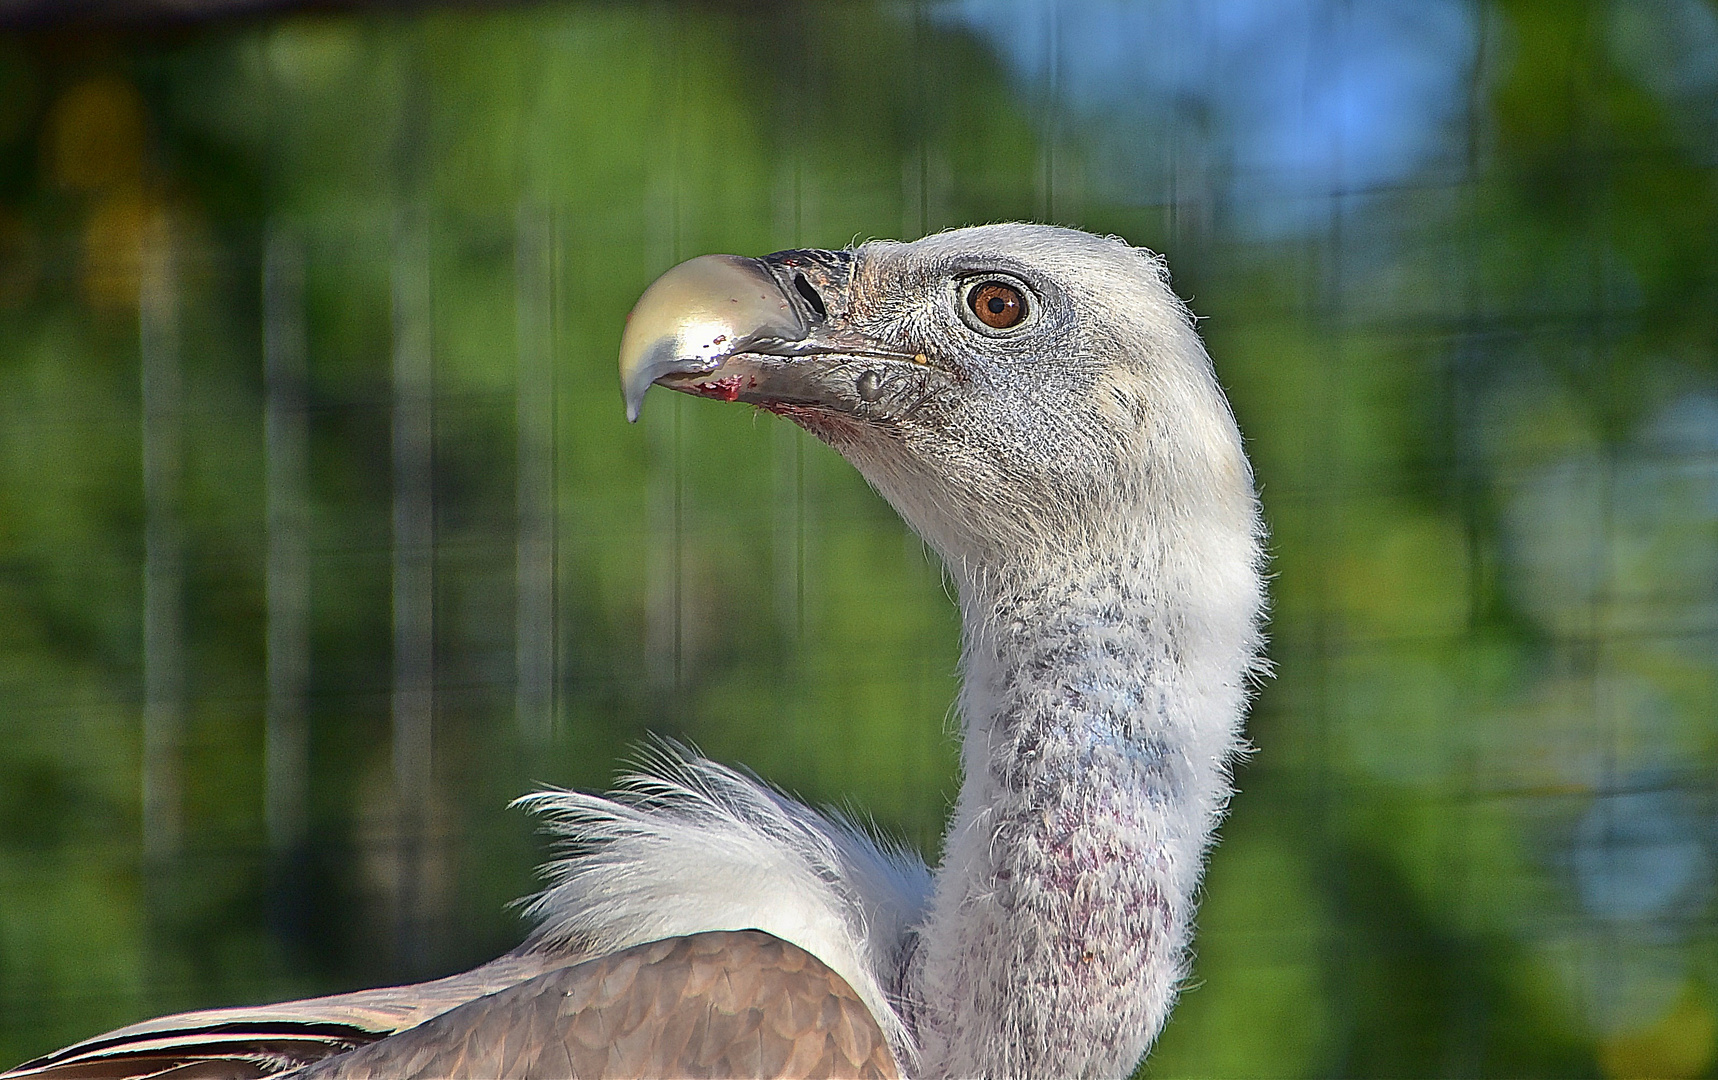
{"x": 1097, "y": 736}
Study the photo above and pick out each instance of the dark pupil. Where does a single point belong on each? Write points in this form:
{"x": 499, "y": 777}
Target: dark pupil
{"x": 997, "y": 305}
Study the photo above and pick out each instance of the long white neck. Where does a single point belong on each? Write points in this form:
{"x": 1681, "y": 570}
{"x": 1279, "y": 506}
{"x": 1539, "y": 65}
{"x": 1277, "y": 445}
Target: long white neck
{"x": 1102, "y": 704}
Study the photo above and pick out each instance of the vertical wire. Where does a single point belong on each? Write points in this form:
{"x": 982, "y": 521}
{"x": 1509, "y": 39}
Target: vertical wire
{"x": 1607, "y": 699}
{"x": 163, "y": 557}
{"x": 1464, "y": 1057}
{"x": 534, "y": 405}
{"x": 677, "y": 133}
{"x": 791, "y": 537}
{"x": 287, "y": 587}
{"x": 801, "y": 509}
{"x": 662, "y": 422}
{"x": 1052, "y": 107}
{"x": 799, "y": 436}
{"x": 789, "y": 440}
{"x": 1325, "y": 306}
{"x": 555, "y": 282}
{"x": 1172, "y": 151}
{"x": 919, "y": 113}
{"x": 412, "y": 552}
{"x": 413, "y": 567}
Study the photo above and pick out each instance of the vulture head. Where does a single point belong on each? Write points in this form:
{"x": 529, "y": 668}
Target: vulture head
{"x": 1015, "y": 391}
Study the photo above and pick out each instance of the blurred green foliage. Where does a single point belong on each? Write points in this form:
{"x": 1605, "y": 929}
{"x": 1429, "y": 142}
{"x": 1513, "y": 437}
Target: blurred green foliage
{"x": 1477, "y": 837}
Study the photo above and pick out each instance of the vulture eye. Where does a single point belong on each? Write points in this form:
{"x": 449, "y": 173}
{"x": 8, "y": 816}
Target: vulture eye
{"x": 997, "y": 304}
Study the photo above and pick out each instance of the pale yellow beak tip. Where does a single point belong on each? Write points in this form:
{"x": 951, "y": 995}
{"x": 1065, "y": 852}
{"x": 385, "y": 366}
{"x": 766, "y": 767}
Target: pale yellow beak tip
{"x": 696, "y": 315}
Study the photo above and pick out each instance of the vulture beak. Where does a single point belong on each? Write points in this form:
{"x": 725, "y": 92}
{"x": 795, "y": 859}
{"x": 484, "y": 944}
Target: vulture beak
{"x": 767, "y": 331}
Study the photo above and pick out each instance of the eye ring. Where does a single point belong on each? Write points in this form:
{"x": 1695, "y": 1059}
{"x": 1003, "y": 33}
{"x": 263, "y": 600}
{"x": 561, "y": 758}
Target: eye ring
{"x": 999, "y": 305}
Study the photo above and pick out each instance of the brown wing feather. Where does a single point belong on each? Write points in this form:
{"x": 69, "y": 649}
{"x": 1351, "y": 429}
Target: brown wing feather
{"x": 265, "y": 1040}
{"x": 721, "y": 1004}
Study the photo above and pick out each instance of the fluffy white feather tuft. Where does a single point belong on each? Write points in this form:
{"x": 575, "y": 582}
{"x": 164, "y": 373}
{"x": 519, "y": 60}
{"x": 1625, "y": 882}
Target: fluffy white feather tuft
{"x": 687, "y": 845}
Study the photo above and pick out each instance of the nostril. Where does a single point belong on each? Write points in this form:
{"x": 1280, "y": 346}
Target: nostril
{"x": 810, "y": 295}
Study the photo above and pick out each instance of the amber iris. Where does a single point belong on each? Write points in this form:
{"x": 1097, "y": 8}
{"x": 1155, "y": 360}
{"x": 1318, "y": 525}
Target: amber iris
{"x": 997, "y": 304}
